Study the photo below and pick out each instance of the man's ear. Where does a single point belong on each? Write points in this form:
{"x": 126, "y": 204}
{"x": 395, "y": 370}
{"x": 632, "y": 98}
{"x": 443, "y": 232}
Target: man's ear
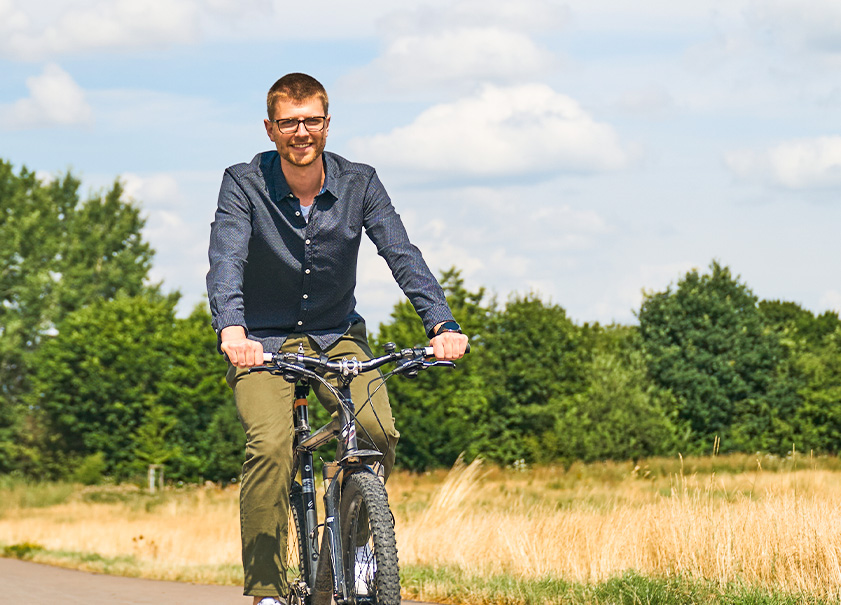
{"x": 269, "y": 129}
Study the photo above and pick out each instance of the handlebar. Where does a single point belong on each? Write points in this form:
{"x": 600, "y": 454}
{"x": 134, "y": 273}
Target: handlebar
{"x": 408, "y": 359}
{"x": 345, "y": 366}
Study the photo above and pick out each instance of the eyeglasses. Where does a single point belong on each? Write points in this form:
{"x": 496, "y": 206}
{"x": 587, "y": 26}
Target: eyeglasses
{"x": 290, "y": 125}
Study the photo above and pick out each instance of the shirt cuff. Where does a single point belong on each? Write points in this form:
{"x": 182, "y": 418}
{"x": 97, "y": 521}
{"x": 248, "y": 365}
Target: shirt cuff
{"x": 435, "y": 316}
{"x": 231, "y": 318}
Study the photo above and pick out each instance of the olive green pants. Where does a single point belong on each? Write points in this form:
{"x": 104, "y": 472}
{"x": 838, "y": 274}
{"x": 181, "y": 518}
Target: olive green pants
{"x": 264, "y": 405}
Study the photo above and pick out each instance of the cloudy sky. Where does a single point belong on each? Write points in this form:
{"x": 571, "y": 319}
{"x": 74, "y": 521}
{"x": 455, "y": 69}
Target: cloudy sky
{"x": 586, "y": 151}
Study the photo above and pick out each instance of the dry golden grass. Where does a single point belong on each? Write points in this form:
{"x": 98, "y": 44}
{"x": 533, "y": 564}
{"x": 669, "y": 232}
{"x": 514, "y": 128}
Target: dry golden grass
{"x": 192, "y": 535}
{"x": 781, "y": 530}
{"x": 778, "y": 530}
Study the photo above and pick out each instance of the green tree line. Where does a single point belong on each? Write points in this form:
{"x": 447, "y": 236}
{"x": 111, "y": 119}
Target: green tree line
{"x": 100, "y": 377}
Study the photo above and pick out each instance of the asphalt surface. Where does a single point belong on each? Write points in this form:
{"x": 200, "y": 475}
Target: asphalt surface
{"x": 22, "y": 582}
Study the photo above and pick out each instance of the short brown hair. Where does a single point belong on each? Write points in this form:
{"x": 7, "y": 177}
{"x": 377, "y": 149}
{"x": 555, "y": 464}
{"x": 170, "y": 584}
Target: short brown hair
{"x": 296, "y": 87}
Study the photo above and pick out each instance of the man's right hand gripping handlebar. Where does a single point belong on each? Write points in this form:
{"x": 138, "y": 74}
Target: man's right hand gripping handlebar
{"x": 241, "y": 351}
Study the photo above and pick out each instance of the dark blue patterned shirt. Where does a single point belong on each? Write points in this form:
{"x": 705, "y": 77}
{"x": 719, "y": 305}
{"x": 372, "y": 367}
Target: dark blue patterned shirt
{"x": 276, "y": 273}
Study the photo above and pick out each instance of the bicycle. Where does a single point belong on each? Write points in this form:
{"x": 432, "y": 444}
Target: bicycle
{"x": 356, "y": 561}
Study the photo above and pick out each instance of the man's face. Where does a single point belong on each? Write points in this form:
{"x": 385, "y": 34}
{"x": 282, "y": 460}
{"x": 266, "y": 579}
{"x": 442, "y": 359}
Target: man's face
{"x": 301, "y": 147}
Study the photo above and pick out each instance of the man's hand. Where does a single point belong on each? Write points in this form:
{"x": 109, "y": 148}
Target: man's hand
{"x": 241, "y": 351}
{"x": 449, "y": 346}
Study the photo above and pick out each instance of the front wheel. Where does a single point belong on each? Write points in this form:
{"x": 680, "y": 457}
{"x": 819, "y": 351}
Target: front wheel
{"x": 370, "y": 548}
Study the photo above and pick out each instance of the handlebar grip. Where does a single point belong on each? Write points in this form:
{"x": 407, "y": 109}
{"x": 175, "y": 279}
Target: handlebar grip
{"x": 427, "y": 351}
{"x": 267, "y": 357}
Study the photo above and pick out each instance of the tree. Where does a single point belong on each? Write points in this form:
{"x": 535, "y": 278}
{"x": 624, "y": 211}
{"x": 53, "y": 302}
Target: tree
{"x": 706, "y": 342}
{"x": 537, "y": 357}
{"x": 818, "y": 418}
{"x": 102, "y": 253}
{"x": 28, "y": 246}
{"x": 128, "y": 379}
{"x": 621, "y": 415}
{"x": 798, "y": 327}
{"x": 57, "y": 254}
{"x": 97, "y": 381}
{"x": 809, "y": 373}
{"x": 194, "y": 391}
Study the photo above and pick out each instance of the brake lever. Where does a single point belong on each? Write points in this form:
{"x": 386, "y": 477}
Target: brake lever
{"x": 440, "y": 363}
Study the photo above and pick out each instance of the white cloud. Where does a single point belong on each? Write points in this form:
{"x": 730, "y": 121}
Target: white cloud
{"x": 499, "y": 132}
{"x": 626, "y": 295}
{"x": 458, "y": 44}
{"x": 55, "y": 100}
{"x": 49, "y": 28}
{"x": 797, "y": 164}
{"x": 157, "y": 190}
{"x": 457, "y": 56}
{"x": 523, "y": 15}
{"x": 813, "y": 25}
{"x": 12, "y": 17}
{"x": 63, "y": 28}
{"x": 652, "y": 100}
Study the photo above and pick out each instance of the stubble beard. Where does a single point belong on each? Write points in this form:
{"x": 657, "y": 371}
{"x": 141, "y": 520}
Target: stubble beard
{"x": 307, "y": 160}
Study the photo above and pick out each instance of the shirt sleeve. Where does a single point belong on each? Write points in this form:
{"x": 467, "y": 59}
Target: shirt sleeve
{"x": 385, "y": 228}
{"x": 230, "y": 233}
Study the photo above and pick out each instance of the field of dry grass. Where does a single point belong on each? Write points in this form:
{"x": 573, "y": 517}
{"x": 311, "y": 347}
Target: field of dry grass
{"x": 191, "y": 534}
{"x": 779, "y": 529}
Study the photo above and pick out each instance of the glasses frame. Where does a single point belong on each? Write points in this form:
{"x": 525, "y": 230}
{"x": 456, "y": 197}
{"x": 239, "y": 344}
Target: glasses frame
{"x": 298, "y": 124}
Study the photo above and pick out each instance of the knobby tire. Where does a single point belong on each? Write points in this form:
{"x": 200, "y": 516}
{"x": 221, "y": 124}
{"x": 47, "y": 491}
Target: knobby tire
{"x": 366, "y": 520}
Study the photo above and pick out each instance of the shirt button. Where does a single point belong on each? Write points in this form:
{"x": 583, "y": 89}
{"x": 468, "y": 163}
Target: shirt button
{"x": 306, "y": 295}
{"x": 307, "y": 271}
{"x": 300, "y": 323}
{"x": 307, "y": 242}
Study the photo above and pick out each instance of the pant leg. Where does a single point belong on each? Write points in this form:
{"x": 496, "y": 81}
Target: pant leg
{"x": 264, "y": 405}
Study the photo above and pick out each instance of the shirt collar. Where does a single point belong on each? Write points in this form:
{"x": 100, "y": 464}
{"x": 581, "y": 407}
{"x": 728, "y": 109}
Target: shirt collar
{"x": 282, "y": 190}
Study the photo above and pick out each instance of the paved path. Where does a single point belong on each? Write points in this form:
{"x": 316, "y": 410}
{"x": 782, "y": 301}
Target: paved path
{"x": 25, "y": 583}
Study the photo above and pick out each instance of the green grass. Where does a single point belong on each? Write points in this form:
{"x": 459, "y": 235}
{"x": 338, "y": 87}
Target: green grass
{"x": 21, "y": 493}
{"x": 125, "y": 565}
{"x": 24, "y": 550}
{"x": 449, "y": 585}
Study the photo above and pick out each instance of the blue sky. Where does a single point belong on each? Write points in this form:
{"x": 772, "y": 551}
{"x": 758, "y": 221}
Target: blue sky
{"x": 586, "y": 151}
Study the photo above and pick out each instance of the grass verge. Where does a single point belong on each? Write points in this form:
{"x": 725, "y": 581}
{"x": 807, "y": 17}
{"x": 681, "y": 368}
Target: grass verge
{"x": 451, "y": 585}
{"x": 125, "y": 565}
{"x": 454, "y": 586}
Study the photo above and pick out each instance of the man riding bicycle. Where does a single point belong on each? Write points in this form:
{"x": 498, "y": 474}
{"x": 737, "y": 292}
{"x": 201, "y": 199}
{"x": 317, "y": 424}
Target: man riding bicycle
{"x": 283, "y": 260}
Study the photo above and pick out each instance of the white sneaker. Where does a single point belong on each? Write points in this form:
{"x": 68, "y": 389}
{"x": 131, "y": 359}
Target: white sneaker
{"x": 366, "y": 567}
{"x": 271, "y": 601}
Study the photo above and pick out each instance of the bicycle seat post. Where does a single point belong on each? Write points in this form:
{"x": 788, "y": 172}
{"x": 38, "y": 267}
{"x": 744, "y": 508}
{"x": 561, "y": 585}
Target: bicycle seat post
{"x": 302, "y": 421}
